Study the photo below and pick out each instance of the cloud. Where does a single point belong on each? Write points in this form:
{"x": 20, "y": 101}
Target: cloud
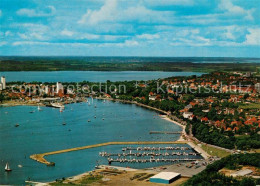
{"x": 169, "y": 2}
{"x": 253, "y": 38}
{"x": 36, "y": 43}
{"x": 48, "y": 11}
{"x": 8, "y": 33}
{"x": 106, "y": 12}
{"x": 89, "y": 36}
{"x": 112, "y": 12}
{"x": 66, "y": 32}
{"x": 30, "y": 31}
{"x": 232, "y": 9}
{"x": 148, "y": 36}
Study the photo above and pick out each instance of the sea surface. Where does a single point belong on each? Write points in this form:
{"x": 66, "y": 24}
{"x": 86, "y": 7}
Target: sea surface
{"x": 92, "y": 76}
{"x": 43, "y": 131}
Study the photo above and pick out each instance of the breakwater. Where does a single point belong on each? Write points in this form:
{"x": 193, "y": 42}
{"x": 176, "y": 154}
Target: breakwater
{"x": 40, "y": 157}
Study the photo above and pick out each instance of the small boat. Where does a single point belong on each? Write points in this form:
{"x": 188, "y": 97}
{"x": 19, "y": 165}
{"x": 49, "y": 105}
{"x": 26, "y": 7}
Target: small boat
{"x": 32, "y": 111}
{"x": 7, "y": 168}
{"x": 17, "y": 125}
{"x": 89, "y": 120}
{"x": 64, "y": 123}
{"x": 95, "y": 116}
{"x": 39, "y": 108}
{"x": 57, "y": 105}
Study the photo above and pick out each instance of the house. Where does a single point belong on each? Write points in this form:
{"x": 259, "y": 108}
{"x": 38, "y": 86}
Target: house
{"x": 204, "y": 119}
{"x": 187, "y": 115}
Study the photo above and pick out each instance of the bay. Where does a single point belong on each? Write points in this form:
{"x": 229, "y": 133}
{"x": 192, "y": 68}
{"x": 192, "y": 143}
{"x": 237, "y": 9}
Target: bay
{"x": 42, "y": 131}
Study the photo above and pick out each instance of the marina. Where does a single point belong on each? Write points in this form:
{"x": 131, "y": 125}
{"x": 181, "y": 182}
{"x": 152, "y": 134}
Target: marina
{"x": 156, "y": 160}
{"x": 49, "y": 130}
{"x": 152, "y": 154}
{"x": 40, "y": 157}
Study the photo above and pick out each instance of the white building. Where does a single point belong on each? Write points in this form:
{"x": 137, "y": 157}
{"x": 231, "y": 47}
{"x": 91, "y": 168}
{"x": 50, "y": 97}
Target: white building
{"x": 257, "y": 87}
{"x": 46, "y": 89}
{"x": 165, "y": 177}
{"x": 3, "y": 82}
{"x": 187, "y": 115}
{"x": 59, "y": 87}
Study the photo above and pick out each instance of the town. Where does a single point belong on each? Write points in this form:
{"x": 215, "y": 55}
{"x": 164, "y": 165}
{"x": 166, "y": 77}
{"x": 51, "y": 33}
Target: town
{"x": 219, "y": 108}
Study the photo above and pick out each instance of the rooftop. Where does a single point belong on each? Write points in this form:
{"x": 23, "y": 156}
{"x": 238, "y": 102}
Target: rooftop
{"x": 165, "y": 175}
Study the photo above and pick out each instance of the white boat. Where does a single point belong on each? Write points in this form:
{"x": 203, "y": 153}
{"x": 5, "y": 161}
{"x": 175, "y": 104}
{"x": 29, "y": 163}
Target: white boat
{"x": 57, "y": 105}
{"x": 7, "y": 168}
{"x": 39, "y": 108}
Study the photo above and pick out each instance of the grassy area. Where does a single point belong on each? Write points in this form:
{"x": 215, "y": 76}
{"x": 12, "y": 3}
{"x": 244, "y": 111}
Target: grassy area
{"x": 124, "y": 64}
{"x": 84, "y": 181}
{"x": 250, "y": 106}
{"x": 214, "y": 151}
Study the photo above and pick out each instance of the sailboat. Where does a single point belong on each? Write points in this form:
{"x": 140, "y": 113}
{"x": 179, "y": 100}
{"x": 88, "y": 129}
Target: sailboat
{"x": 7, "y": 168}
{"x": 39, "y": 108}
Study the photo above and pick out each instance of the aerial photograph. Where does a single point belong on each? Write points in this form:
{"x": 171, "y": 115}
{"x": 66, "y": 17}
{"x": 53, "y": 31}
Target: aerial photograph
{"x": 130, "y": 92}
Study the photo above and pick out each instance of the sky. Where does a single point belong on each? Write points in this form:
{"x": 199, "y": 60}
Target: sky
{"x": 177, "y": 28}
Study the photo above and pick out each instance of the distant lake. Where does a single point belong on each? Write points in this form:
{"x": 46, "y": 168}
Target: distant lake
{"x": 92, "y": 76}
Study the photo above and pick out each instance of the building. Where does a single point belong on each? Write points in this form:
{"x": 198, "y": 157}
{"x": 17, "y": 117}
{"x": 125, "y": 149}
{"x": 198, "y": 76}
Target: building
{"x": 165, "y": 177}
{"x": 187, "y": 114}
{"x": 241, "y": 173}
{"x": 59, "y": 87}
{"x": 46, "y": 89}
{"x": 257, "y": 87}
{"x": 3, "y": 82}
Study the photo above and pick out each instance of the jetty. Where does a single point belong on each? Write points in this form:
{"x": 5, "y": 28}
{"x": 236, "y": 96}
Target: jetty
{"x": 164, "y": 132}
{"x": 123, "y": 160}
{"x": 40, "y": 157}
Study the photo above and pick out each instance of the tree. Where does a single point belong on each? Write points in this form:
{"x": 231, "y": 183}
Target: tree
{"x": 1, "y": 98}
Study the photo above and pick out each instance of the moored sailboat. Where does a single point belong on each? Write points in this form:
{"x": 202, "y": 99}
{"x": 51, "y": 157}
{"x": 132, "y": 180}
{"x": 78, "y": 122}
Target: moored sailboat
{"x": 7, "y": 168}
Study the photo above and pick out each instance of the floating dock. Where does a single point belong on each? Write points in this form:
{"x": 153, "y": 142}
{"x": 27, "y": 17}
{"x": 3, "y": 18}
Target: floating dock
{"x": 40, "y": 157}
{"x": 164, "y": 132}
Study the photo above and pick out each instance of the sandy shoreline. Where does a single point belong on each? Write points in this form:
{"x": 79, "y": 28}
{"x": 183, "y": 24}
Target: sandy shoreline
{"x": 176, "y": 123}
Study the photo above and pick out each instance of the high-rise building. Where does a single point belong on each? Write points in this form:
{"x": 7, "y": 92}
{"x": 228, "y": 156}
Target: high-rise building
{"x": 3, "y": 82}
{"x": 59, "y": 87}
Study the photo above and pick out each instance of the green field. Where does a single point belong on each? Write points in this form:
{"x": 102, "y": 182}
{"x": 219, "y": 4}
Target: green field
{"x": 250, "y": 106}
{"x": 125, "y": 64}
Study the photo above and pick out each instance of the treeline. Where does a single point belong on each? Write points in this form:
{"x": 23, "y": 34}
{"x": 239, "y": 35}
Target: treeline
{"x": 226, "y": 139}
{"x": 210, "y": 175}
{"x": 79, "y": 65}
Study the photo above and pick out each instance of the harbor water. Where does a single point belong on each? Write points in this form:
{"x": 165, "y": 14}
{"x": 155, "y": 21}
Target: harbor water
{"x": 44, "y": 131}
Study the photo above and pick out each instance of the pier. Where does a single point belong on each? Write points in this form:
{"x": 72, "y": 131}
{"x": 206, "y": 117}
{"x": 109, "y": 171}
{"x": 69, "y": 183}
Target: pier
{"x": 123, "y": 160}
{"x": 164, "y": 132}
{"x": 40, "y": 157}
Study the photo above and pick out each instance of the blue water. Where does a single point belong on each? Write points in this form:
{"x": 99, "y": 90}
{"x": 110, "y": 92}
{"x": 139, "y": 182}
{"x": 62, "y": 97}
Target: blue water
{"x": 43, "y": 131}
{"x": 92, "y": 76}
